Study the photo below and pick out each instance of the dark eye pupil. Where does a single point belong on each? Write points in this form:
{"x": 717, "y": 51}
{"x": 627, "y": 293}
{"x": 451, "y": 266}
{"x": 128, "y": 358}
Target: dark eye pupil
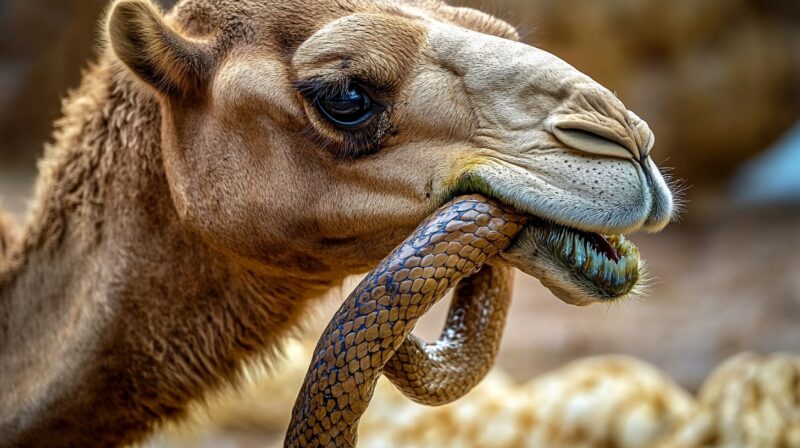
{"x": 347, "y": 109}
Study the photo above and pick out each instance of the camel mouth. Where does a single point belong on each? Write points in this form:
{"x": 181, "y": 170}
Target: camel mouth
{"x": 579, "y": 267}
{"x": 603, "y": 267}
{"x": 581, "y": 257}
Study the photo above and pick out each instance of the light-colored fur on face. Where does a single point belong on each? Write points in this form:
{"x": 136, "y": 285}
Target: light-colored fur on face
{"x": 194, "y": 200}
{"x": 253, "y": 166}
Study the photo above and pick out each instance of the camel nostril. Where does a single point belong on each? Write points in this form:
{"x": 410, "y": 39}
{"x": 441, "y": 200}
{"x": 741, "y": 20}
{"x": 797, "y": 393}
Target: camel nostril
{"x": 593, "y": 140}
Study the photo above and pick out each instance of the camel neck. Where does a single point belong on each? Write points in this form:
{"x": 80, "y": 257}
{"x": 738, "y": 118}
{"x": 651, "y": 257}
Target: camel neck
{"x": 113, "y": 315}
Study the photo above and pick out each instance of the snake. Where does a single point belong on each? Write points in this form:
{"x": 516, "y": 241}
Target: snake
{"x": 370, "y": 334}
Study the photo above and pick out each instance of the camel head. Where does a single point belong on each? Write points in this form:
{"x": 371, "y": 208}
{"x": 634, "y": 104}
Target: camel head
{"x": 310, "y": 137}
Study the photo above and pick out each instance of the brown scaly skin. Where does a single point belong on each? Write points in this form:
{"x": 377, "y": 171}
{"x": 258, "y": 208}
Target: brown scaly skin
{"x": 439, "y": 373}
{"x": 378, "y": 316}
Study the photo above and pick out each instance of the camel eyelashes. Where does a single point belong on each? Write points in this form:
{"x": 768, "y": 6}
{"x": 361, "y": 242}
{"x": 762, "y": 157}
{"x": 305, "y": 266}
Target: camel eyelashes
{"x": 347, "y": 110}
{"x": 345, "y": 105}
{"x": 347, "y": 115}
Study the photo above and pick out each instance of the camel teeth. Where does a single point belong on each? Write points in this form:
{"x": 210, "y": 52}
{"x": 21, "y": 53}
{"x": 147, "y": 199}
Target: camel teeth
{"x": 596, "y": 266}
{"x": 569, "y": 247}
{"x": 588, "y": 264}
{"x": 608, "y": 274}
{"x": 579, "y": 255}
{"x": 622, "y": 266}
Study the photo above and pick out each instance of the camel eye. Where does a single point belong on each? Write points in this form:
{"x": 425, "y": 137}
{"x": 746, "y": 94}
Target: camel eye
{"x": 348, "y": 109}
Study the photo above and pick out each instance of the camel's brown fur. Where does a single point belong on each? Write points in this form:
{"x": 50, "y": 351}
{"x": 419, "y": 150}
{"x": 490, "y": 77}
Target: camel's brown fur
{"x": 192, "y": 203}
{"x": 6, "y": 236}
{"x": 177, "y": 316}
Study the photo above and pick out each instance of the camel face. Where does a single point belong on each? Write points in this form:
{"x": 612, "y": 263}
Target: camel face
{"x": 317, "y": 140}
{"x": 551, "y": 141}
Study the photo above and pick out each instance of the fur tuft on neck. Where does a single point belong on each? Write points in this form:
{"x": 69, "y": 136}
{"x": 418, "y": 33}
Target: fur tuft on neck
{"x": 7, "y": 235}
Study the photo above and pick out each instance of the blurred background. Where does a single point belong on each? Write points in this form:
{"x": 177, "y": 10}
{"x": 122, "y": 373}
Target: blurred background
{"x": 717, "y": 80}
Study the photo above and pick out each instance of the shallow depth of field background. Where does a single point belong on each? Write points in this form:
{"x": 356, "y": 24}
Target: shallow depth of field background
{"x": 717, "y": 80}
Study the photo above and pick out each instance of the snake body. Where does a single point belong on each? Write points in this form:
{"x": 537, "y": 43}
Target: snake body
{"x": 370, "y": 334}
{"x": 444, "y": 371}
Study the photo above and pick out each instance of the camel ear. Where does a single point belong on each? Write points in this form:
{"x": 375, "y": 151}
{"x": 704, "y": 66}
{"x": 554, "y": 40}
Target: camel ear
{"x": 157, "y": 53}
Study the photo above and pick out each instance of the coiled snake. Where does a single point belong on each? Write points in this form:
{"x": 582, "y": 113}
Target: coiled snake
{"x": 370, "y": 334}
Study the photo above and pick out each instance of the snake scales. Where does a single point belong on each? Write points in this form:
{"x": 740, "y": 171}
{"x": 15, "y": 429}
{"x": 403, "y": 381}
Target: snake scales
{"x": 370, "y": 334}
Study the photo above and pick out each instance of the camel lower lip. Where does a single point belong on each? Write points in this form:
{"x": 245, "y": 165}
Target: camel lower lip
{"x": 607, "y": 265}
{"x": 597, "y": 267}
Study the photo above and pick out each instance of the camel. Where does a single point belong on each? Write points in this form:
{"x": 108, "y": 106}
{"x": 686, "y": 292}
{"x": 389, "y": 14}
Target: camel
{"x": 224, "y": 165}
